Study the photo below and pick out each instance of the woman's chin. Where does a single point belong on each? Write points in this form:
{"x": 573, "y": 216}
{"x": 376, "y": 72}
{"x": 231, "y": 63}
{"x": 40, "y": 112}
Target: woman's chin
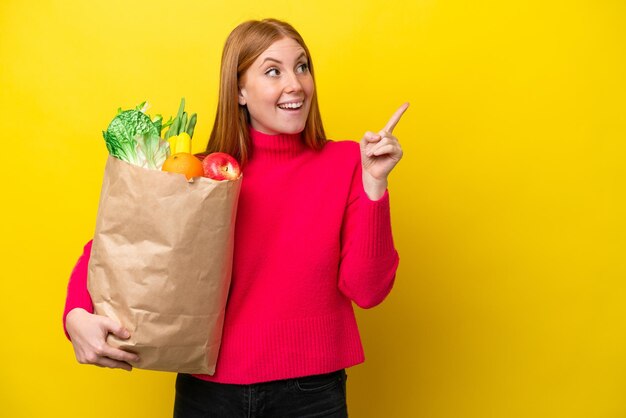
{"x": 285, "y": 128}
{"x": 290, "y": 129}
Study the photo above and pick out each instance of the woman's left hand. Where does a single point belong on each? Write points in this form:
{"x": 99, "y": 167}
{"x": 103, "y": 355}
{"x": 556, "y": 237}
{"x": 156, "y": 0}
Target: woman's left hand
{"x": 379, "y": 155}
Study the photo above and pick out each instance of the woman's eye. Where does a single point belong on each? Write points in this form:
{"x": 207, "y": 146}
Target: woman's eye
{"x": 272, "y": 72}
{"x": 303, "y": 67}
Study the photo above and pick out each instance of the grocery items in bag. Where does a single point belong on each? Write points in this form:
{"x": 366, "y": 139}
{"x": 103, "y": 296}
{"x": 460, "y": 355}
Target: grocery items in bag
{"x": 161, "y": 258}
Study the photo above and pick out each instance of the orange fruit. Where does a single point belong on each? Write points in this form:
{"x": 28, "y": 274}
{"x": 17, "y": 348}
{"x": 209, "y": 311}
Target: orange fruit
{"x": 183, "y": 163}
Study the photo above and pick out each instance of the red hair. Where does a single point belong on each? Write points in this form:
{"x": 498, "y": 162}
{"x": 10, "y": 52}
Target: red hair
{"x": 243, "y": 46}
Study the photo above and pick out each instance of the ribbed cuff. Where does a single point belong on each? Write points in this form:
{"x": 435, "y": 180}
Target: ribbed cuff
{"x": 375, "y": 237}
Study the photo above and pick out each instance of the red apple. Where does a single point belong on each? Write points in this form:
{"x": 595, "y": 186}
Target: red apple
{"x": 220, "y": 166}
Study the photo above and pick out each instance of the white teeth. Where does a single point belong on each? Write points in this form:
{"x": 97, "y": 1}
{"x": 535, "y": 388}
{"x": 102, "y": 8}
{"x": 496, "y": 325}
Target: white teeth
{"x": 290, "y": 105}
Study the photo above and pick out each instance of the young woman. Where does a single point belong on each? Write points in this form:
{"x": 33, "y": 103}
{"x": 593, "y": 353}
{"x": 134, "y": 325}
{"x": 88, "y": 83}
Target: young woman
{"x": 313, "y": 235}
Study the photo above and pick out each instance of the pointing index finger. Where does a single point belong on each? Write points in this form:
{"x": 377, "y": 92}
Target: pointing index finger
{"x": 396, "y": 118}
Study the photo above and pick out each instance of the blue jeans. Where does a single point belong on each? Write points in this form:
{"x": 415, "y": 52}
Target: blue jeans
{"x": 306, "y": 397}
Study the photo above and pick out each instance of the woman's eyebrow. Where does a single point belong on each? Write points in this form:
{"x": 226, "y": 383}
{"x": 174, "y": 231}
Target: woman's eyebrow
{"x": 279, "y": 62}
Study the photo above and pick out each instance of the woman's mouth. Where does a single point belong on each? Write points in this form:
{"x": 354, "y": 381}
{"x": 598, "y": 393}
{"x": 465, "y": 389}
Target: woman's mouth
{"x": 294, "y": 106}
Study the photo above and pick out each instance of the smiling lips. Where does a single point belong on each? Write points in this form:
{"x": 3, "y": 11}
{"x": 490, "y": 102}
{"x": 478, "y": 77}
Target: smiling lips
{"x": 291, "y": 106}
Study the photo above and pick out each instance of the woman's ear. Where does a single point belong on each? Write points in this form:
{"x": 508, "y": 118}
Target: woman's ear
{"x": 242, "y": 98}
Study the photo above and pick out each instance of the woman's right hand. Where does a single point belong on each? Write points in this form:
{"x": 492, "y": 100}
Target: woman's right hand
{"x": 88, "y": 333}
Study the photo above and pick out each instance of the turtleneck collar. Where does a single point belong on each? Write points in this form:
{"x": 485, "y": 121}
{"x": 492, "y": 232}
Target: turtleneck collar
{"x": 279, "y": 147}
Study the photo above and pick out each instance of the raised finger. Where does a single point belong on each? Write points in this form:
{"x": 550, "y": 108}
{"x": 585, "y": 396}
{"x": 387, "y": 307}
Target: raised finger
{"x": 396, "y": 118}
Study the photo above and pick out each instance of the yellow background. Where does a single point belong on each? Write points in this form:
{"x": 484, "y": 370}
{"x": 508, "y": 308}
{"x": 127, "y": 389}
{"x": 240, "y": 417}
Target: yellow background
{"x": 508, "y": 207}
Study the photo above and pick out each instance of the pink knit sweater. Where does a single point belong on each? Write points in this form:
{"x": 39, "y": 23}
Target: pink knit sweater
{"x": 308, "y": 242}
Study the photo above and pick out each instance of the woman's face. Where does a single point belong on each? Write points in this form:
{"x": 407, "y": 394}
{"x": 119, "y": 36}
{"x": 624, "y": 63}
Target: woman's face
{"x": 277, "y": 89}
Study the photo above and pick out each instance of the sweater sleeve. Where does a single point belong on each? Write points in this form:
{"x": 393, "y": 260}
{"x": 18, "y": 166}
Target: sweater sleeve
{"x": 369, "y": 259}
{"x": 77, "y": 293}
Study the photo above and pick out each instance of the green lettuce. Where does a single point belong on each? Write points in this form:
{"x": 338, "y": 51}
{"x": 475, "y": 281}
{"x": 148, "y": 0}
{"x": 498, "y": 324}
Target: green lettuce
{"x": 152, "y": 151}
{"x": 122, "y": 142}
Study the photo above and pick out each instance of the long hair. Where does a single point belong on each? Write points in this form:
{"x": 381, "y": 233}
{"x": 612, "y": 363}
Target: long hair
{"x": 243, "y": 46}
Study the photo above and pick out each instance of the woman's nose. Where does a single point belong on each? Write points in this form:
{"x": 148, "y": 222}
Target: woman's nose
{"x": 292, "y": 83}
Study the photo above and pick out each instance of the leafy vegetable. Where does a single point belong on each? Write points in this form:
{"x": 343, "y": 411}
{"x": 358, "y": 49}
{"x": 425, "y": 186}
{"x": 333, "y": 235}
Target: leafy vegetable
{"x": 134, "y": 137}
{"x": 120, "y": 135}
{"x": 152, "y": 151}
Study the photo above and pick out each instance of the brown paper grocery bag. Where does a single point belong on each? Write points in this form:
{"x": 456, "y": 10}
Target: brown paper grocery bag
{"x": 161, "y": 263}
